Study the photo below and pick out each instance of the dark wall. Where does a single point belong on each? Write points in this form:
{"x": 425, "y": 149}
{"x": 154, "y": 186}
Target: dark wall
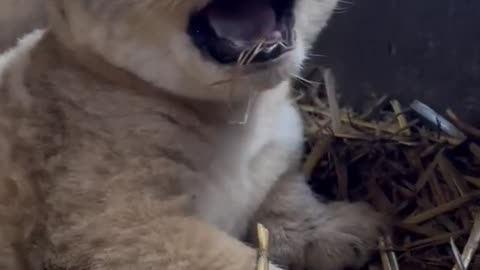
{"x": 425, "y": 49}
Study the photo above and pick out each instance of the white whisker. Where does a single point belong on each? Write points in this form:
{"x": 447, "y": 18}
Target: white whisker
{"x": 309, "y": 82}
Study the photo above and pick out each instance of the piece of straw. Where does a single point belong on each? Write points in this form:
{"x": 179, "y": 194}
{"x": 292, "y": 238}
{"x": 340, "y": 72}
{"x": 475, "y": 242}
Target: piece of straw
{"x": 456, "y": 255}
{"x": 263, "y": 238}
{"x": 320, "y": 149}
{"x": 441, "y": 209}
{"x": 334, "y": 109}
{"x": 388, "y": 257}
{"x": 472, "y": 244}
{"x": 402, "y": 120}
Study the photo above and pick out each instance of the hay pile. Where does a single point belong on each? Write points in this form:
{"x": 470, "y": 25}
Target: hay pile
{"x": 409, "y": 162}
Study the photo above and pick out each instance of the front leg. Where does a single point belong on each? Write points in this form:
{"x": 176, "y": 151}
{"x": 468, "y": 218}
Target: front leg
{"x": 308, "y": 234}
{"x": 135, "y": 238}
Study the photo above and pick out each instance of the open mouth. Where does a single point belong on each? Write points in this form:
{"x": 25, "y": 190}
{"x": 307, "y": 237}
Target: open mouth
{"x": 226, "y": 29}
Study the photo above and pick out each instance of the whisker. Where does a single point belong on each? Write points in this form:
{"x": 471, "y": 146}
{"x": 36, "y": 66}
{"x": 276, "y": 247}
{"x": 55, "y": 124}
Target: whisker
{"x": 281, "y": 43}
{"x": 345, "y": 2}
{"x": 343, "y": 6}
{"x": 310, "y": 82}
{"x": 256, "y": 51}
{"x": 242, "y": 58}
{"x": 316, "y": 55}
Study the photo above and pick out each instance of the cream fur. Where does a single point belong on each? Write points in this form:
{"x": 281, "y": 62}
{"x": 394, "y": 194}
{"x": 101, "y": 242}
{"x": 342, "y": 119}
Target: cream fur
{"x": 117, "y": 151}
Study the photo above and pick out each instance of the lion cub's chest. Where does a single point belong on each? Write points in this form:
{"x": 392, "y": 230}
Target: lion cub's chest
{"x": 256, "y": 160}
{"x": 143, "y": 153}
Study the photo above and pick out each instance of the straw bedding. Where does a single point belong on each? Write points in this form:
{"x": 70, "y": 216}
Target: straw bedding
{"x": 417, "y": 166}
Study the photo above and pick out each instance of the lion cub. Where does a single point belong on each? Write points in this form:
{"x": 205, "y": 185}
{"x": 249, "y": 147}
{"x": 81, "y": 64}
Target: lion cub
{"x": 152, "y": 134}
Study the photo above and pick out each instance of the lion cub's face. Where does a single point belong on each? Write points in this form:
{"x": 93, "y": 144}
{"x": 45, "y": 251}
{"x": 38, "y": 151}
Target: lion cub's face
{"x": 208, "y": 49}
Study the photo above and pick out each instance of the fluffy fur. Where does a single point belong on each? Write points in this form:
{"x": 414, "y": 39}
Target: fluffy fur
{"x": 117, "y": 151}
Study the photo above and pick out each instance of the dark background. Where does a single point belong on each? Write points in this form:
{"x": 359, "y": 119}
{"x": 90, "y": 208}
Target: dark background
{"x": 410, "y": 49}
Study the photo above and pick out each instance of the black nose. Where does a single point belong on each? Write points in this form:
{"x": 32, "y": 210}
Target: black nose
{"x": 224, "y": 29}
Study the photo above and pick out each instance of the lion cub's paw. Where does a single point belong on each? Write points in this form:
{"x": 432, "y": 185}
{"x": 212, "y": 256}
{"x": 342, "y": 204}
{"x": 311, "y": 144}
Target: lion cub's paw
{"x": 346, "y": 237}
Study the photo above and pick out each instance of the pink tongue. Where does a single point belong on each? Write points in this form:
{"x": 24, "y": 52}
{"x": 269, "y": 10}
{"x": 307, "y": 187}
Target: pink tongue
{"x": 248, "y": 20}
